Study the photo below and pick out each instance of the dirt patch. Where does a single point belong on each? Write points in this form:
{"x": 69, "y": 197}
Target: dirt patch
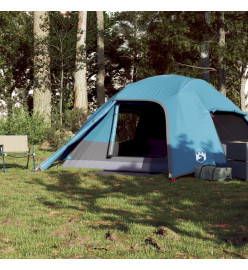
{"x": 6, "y": 221}
{"x": 52, "y": 213}
{"x": 35, "y": 229}
{"x": 78, "y": 241}
{"x": 135, "y": 247}
{"x": 9, "y": 250}
{"x": 12, "y": 222}
{"x": 234, "y": 254}
{"x": 167, "y": 233}
{"x": 71, "y": 220}
{"x": 39, "y": 159}
{"x": 112, "y": 236}
{"x": 182, "y": 255}
{"x": 45, "y": 146}
{"x": 237, "y": 240}
{"x": 4, "y": 238}
{"x": 71, "y": 235}
{"x": 224, "y": 226}
{"x": 66, "y": 231}
{"x": 154, "y": 242}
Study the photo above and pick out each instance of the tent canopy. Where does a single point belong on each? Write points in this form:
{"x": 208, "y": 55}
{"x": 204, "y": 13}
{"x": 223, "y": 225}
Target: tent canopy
{"x": 173, "y": 116}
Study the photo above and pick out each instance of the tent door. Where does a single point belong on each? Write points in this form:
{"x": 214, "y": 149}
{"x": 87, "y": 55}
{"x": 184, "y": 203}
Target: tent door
{"x": 139, "y": 131}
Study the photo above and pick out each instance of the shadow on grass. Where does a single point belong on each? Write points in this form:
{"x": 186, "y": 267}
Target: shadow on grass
{"x": 47, "y": 150}
{"x": 14, "y": 166}
{"x": 216, "y": 208}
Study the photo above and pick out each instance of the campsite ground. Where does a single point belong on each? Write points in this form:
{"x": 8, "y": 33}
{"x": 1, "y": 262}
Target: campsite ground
{"x": 67, "y": 213}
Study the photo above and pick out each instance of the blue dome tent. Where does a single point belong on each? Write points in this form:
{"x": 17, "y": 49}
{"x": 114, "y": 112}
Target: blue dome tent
{"x": 166, "y": 123}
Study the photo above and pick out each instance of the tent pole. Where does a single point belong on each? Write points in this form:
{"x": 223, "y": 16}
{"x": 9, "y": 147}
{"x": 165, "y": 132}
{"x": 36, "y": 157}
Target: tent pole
{"x": 113, "y": 132}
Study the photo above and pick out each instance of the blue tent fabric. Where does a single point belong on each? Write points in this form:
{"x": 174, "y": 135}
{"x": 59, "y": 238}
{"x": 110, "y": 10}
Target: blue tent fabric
{"x": 192, "y": 139}
{"x": 93, "y": 119}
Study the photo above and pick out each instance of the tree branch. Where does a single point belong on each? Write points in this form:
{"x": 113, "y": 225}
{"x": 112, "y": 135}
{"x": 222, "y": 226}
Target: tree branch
{"x": 203, "y": 68}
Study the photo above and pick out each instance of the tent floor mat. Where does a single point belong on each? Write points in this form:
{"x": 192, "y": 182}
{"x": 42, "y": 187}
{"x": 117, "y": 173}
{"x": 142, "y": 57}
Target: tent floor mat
{"x": 123, "y": 173}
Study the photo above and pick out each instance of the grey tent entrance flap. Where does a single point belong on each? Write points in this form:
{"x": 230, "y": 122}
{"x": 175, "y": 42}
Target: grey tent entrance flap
{"x": 123, "y": 173}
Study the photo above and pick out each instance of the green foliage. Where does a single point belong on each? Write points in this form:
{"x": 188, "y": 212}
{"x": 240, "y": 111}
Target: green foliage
{"x": 236, "y": 50}
{"x": 91, "y": 35}
{"x": 60, "y": 138}
{"x": 21, "y": 122}
{"x": 60, "y": 132}
{"x": 138, "y": 44}
{"x": 38, "y": 131}
{"x": 143, "y": 44}
{"x": 16, "y": 49}
{"x": 72, "y": 119}
{"x": 63, "y": 39}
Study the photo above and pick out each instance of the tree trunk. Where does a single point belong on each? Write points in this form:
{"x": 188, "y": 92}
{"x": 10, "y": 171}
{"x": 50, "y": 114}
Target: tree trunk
{"x": 42, "y": 79}
{"x": 243, "y": 95}
{"x": 61, "y": 94}
{"x": 100, "y": 59}
{"x": 204, "y": 52}
{"x": 221, "y": 57}
{"x": 80, "y": 82}
{"x": 134, "y": 73}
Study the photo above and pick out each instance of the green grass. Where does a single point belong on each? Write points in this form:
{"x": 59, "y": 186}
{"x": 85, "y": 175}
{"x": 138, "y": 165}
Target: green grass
{"x": 66, "y": 213}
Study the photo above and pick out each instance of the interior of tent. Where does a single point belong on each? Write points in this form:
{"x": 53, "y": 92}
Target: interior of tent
{"x": 141, "y": 130}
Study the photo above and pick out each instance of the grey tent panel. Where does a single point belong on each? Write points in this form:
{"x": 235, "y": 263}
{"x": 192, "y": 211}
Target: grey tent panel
{"x": 94, "y": 155}
{"x": 88, "y": 150}
{"x": 155, "y": 165}
{"x": 122, "y": 173}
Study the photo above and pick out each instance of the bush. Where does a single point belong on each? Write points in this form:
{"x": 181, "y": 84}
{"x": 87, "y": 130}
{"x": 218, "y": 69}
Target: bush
{"x": 58, "y": 134}
{"x": 38, "y": 131}
{"x": 72, "y": 119}
{"x": 20, "y": 122}
{"x": 60, "y": 138}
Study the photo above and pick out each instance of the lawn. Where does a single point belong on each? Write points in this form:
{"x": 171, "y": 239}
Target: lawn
{"x": 74, "y": 213}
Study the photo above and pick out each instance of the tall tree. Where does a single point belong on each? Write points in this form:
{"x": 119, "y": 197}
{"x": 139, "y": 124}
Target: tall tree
{"x": 80, "y": 82}
{"x": 100, "y": 59}
{"x": 16, "y": 49}
{"x": 243, "y": 94}
{"x": 205, "y": 51}
{"x": 42, "y": 80}
{"x": 63, "y": 53}
{"x": 236, "y": 57}
{"x": 221, "y": 54}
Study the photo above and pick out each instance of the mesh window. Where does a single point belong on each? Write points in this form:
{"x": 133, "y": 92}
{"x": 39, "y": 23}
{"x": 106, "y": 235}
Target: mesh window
{"x": 231, "y": 126}
{"x": 126, "y": 127}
